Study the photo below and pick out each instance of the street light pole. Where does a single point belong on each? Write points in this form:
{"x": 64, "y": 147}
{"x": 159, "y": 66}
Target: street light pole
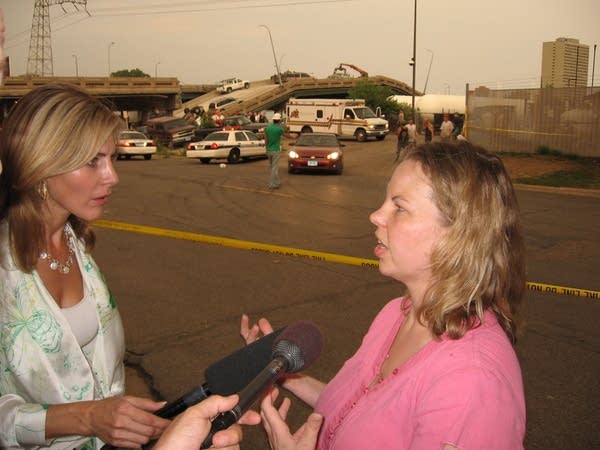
{"x": 281, "y": 59}
{"x": 76, "y": 66}
{"x": 414, "y": 63}
{"x": 156, "y": 68}
{"x": 428, "y": 71}
{"x": 593, "y": 67}
{"x": 109, "y": 46}
{"x": 274, "y": 57}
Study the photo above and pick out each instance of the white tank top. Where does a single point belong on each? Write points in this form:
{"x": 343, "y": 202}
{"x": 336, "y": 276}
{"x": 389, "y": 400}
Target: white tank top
{"x": 82, "y": 319}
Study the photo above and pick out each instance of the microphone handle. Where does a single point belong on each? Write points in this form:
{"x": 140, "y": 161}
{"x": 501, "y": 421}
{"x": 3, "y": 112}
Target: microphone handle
{"x": 247, "y": 396}
{"x": 176, "y": 407}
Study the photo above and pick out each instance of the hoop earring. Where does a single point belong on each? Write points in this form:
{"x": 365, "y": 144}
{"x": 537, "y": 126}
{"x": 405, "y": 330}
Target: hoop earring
{"x": 43, "y": 190}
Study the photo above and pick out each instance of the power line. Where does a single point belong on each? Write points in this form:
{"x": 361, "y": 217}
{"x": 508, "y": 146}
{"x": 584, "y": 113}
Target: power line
{"x": 219, "y": 6}
{"x": 168, "y": 9}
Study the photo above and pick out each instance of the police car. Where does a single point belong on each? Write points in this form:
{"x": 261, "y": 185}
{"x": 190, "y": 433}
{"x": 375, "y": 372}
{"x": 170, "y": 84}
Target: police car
{"x": 232, "y": 145}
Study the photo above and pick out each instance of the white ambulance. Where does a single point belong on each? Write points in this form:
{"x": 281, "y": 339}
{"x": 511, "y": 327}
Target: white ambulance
{"x": 345, "y": 118}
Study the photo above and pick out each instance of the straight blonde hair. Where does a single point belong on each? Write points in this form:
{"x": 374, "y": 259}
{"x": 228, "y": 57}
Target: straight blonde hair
{"x": 53, "y": 129}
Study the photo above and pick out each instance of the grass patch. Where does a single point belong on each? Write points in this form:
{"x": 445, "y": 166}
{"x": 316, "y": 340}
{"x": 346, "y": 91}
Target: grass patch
{"x": 586, "y": 174}
{"x": 585, "y": 177}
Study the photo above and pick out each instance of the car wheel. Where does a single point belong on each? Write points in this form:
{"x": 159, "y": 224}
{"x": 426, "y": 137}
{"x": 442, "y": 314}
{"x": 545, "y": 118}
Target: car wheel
{"x": 234, "y": 156}
{"x": 228, "y": 90}
{"x": 306, "y": 130}
{"x": 246, "y": 85}
{"x": 204, "y": 160}
{"x": 147, "y": 157}
{"x": 361, "y": 135}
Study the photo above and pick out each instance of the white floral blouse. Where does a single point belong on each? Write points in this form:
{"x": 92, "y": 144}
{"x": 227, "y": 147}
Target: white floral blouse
{"x": 41, "y": 362}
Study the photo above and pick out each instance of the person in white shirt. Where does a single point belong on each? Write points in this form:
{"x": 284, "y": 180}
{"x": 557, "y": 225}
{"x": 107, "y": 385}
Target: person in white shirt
{"x": 446, "y": 129}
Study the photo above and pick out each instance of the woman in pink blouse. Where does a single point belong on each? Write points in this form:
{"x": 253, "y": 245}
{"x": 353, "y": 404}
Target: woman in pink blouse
{"x": 437, "y": 369}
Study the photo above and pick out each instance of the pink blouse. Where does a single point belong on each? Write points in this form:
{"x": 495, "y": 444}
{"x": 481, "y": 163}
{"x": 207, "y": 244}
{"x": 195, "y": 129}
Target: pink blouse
{"x": 467, "y": 393}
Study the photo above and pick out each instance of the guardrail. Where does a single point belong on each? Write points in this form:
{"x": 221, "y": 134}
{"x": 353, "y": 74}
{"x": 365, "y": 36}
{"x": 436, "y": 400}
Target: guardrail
{"x": 19, "y": 86}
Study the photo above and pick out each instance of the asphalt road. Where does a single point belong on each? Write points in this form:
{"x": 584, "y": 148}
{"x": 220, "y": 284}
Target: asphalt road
{"x": 181, "y": 300}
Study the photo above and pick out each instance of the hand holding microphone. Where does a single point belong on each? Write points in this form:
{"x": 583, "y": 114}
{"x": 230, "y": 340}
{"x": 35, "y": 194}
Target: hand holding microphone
{"x": 298, "y": 346}
{"x": 225, "y": 377}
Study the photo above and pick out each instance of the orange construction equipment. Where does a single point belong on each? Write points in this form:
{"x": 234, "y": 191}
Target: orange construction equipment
{"x": 341, "y": 69}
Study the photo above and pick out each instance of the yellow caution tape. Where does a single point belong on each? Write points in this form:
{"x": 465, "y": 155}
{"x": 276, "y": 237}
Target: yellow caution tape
{"x": 301, "y": 253}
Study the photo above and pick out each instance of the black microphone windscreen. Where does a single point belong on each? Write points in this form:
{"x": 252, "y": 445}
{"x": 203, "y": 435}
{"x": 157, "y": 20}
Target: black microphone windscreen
{"x": 303, "y": 337}
{"x": 233, "y": 373}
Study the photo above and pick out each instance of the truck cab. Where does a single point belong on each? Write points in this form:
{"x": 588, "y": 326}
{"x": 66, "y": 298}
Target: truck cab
{"x": 170, "y": 131}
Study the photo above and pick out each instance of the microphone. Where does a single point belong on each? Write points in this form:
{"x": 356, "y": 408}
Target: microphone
{"x": 225, "y": 377}
{"x": 297, "y": 347}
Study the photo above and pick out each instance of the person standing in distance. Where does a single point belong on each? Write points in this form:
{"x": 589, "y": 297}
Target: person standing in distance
{"x": 273, "y": 134}
{"x": 402, "y": 133}
{"x": 62, "y": 344}
{"x": 446, "y": 129}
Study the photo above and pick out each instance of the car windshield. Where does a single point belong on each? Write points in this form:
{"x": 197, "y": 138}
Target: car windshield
{"x": 132, "y": 135}
{"x": 217, "y": 136}
{"x": 225, "y": 101}
{"x": 241, "y": 120}
{"x": 176, "y": 123}
{"x": 364, "y": 113}
{"x": 317, "y": 140}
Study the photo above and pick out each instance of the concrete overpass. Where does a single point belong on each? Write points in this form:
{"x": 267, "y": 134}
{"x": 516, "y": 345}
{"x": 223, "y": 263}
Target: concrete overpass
{"x": 266, "y": 95}
{"x": 166, "y": 94}
{"x": 123, "y": 93}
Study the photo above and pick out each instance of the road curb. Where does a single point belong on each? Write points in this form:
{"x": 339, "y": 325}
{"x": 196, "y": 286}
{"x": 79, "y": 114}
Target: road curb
{"x": 559, "y": 190}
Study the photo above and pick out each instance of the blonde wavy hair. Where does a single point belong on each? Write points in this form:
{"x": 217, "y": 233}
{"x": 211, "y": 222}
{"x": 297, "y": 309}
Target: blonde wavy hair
{"x": 53, "y": 129}
{"x": 480, "y": 262}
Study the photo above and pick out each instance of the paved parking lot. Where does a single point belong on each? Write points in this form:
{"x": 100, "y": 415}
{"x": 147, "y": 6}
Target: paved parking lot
{"x": 181, "y": 300}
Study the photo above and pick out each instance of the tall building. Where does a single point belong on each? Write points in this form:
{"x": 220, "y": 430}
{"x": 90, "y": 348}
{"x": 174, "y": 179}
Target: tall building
{"x": 565, "y": 63}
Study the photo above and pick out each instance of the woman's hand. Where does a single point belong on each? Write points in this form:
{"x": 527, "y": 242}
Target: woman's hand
{"x": 189, "y": 429}
{"x": 254, "y": 332}
{"x": 119, "y": 421}
{"x": 280, "y": 437}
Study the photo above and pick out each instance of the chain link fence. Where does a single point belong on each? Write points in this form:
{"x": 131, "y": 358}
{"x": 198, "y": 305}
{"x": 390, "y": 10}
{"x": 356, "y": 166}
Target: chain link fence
{"x": 533, "y": 120}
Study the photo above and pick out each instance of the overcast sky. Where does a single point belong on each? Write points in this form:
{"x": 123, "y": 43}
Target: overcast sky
{"x": 480, "y": 42}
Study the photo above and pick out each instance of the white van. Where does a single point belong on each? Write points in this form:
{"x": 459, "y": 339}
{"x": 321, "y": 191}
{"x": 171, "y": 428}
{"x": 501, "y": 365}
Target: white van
{"x": 345, "y": 118}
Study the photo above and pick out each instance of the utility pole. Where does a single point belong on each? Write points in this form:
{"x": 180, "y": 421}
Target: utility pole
{"x": 414, "y": 63}
{"x": 39, "y": 60}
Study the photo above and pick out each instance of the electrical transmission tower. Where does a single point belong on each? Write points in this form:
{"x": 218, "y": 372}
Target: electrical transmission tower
{"x": 39, "y": 61}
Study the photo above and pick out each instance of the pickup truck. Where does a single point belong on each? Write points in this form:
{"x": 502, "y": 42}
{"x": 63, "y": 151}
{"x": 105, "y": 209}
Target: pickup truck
{"x": 232, "y": 84}
{"x": 170, "y": 131}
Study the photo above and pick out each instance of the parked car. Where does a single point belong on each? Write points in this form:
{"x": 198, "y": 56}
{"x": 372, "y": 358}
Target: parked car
{"x": 316, "y": 152}
{"x": 241, "y": 122}
{"x": 289, "y": 75}
{"x": 231, "y": 144}
{"x": 222, "y": 103}
{"x": 132, "y": 143}
{"x": 232, "y": 84}
{"x": 170, "y": 131}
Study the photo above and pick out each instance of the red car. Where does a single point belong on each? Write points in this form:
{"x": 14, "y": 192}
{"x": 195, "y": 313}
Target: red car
{"x": 316, "y": 152}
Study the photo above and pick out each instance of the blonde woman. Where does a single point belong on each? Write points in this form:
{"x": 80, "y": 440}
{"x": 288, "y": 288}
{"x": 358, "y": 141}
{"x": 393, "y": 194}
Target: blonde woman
{"x": 437, "y": 369}
{"x": 61, "y": 337}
